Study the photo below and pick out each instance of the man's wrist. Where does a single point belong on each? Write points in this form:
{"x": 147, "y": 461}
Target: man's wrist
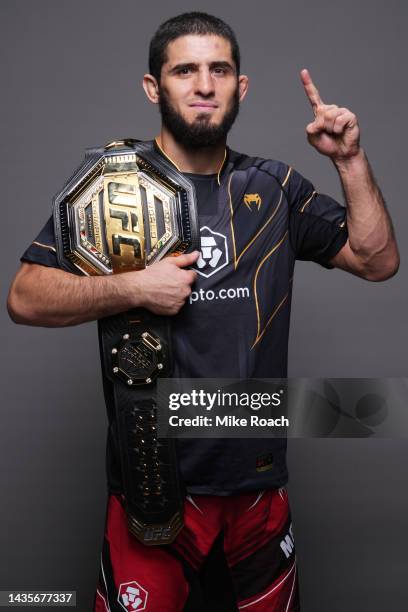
{"x": 128, "y": 288}
{"x": 133, "y": 288}
{"x": 352, "y": 164}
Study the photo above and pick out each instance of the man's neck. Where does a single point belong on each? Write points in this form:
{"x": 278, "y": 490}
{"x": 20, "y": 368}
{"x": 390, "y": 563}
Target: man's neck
{"x": 206, "y": 160}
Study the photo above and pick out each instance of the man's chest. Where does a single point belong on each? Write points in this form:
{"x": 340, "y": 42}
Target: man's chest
{"x": 243, "y": 222}
{"x": 245, "y": 263}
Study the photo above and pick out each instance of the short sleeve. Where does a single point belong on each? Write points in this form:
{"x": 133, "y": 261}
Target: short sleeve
{"x": 43, "y": 249}
{"x": 317, "y": 225}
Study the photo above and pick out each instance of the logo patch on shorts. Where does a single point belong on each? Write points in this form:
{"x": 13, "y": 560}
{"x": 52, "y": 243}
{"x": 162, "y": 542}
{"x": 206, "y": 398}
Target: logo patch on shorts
{"x": 132, "y": 597}
{"x": 264, "y": 462}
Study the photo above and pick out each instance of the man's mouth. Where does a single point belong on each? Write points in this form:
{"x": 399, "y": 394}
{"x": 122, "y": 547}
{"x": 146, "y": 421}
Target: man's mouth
{"x": 204, "y": 106}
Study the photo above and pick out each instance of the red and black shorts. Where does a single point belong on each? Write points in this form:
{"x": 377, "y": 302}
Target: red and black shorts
{"x": 233, "y": 553}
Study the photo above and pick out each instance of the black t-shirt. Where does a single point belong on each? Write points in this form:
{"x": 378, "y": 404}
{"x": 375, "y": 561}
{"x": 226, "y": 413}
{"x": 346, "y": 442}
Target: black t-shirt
{"x": 256, "y": 218}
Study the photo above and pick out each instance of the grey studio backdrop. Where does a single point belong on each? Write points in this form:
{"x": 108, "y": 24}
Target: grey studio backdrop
{"x": 71, "y": 78}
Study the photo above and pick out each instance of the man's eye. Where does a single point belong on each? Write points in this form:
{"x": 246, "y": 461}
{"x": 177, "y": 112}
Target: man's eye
{"x": 219, "y": 70}
{"x": 184, "y": 70}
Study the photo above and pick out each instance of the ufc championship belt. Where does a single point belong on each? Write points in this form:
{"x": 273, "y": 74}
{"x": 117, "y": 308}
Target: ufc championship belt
{"x": 123, "y": 209}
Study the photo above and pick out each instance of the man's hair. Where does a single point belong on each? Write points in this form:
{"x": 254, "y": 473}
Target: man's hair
{"x": 182, "y": 25}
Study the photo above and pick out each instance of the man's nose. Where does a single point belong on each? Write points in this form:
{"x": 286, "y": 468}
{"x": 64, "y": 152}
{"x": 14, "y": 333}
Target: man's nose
{"x": 204, "y": 83}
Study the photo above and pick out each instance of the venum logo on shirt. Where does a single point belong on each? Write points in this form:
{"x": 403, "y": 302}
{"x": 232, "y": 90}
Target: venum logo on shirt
{"x": 214, "y": 257}
{"x": 252, "y": 201}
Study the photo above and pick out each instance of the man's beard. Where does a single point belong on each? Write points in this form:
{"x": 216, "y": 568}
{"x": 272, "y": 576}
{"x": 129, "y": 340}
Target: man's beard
{"x": 200, "y": 133}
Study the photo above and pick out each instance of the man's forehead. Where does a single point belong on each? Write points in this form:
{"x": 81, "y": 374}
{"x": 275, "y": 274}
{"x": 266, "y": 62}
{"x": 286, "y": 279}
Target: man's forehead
{"x": 198, "y": 48}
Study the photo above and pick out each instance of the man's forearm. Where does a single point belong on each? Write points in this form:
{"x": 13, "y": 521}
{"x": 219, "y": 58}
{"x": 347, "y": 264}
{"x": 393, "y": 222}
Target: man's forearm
{"x": 50, "y": 297}
{"x": 371, "y": 236}
{"x": 54, "y": 298}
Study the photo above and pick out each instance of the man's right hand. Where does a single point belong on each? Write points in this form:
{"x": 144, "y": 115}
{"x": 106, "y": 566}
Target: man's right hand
{"x": 164, "y": 286}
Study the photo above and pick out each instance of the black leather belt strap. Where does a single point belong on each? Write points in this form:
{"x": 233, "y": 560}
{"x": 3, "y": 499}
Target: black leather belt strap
{"x": 135, "y": 349}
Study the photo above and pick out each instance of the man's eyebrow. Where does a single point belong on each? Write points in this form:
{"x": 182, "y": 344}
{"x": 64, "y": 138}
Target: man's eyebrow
{"x": 193, "y": 65}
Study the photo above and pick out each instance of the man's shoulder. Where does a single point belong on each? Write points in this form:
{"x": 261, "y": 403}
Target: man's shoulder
{"x": 275, "y": 168}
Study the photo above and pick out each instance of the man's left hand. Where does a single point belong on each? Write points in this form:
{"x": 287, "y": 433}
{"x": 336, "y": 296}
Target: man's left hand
{"x": 334, "y": 131}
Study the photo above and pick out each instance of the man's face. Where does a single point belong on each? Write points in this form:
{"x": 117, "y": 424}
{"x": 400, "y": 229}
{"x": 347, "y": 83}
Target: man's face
{"x": 199, "y": 90}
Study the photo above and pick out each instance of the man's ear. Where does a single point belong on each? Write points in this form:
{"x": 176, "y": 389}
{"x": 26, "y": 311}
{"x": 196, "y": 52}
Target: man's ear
{"x": 151, "y": 88}
{"x": 243, "y": 83}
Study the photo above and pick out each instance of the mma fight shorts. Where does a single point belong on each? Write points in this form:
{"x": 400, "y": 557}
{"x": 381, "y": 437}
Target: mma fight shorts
{"x": 234, "y": 553}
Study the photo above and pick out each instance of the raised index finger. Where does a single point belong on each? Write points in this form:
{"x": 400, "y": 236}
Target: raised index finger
{"x": 310, "y": 89}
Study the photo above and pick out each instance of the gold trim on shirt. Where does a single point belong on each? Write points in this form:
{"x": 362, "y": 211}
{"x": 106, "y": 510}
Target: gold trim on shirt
{"x": 308, "y": 200}
{"x": 259, "y": 334}
{"x": 44, "y": 246}
{"x": 287, "y": 176}
{"x": 165, "y": 154}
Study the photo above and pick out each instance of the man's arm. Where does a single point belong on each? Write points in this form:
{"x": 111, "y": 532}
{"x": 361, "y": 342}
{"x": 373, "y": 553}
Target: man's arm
{"x": 371, "y": 250}
{"x": 49, "y": 297}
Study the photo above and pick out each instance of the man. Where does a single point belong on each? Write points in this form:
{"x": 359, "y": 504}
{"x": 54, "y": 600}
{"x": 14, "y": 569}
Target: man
{"x": 229, "y": 307}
